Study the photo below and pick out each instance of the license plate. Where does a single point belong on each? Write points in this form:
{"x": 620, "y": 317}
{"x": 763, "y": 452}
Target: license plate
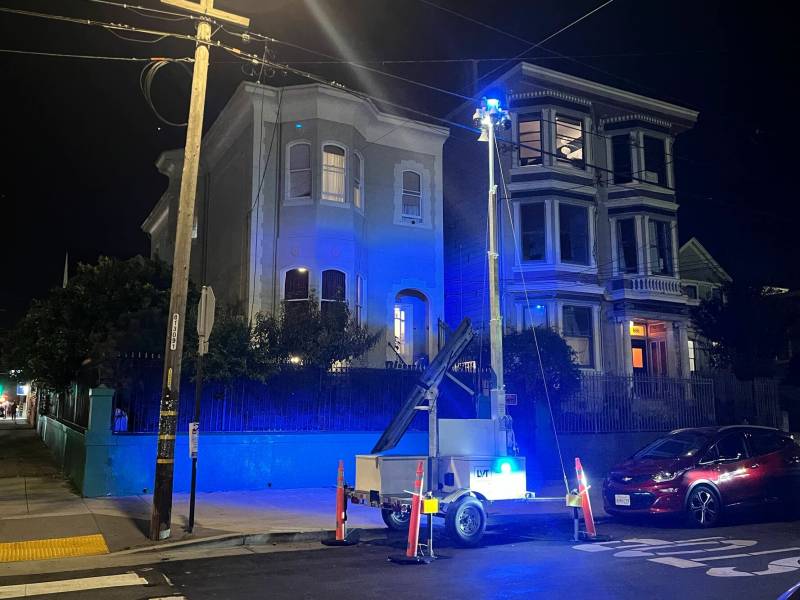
{"x": 622, "y": 499}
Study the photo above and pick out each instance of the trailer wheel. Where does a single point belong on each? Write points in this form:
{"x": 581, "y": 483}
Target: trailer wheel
{"x": 465, "y": 521}
{"x": 395, "y": 520}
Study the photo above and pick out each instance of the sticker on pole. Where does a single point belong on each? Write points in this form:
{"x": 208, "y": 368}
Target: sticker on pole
{"x": 194, "y": 435}
{"x": 173, "y": 336}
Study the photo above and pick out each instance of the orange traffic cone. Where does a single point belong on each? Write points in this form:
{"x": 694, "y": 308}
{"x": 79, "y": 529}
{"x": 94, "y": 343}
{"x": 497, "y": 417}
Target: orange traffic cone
{"x": 412, "y": 555}
{"x": 341, "y": 538}
{"x": 586, "y": 505}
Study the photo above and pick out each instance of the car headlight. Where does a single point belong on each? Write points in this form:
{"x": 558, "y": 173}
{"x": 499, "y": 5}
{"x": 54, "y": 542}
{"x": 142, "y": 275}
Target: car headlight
{"x": 663, "y": 476}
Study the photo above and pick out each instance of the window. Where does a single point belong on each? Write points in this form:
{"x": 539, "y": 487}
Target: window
{"x": 655, "y": 165}
{"x": 691, "y": 291}
{"x": 621, "y": 156}
{"x": 530, "y": 140}
{"x": 295, "y": 291}
{"x": 535, "y": 316}
{"x": 333, "y": 173}
{"x": 357, "y": 179}
{"x": 333, "y": 291}
{"x": 569, "y": 140}
{"x": 731, "y": 447}
{"x": 574, "y": 233}
{"x": 412, "y": 195}
{"x": 300, "y": 171}
{"x": 628, "y": 261}
{"x": 692, "y": 356}
{"x": 766, "y": 442}
{"x": 578, "y": 333}
{"x": 401, "y": 344}
{"x": 532, "y": 226}
{"x": 359, "y": 299}
{"x": 660, "y": 247}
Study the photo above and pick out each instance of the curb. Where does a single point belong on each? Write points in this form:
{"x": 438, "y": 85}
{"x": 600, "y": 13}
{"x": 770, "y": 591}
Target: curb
{"x": 233, "y": 540}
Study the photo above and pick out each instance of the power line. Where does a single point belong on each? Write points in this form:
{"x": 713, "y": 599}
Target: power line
{"x": 92, "y": 57}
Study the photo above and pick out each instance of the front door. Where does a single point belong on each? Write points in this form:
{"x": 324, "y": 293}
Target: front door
{"x": 738, "y": 476}
{"x": 639, "y": 357}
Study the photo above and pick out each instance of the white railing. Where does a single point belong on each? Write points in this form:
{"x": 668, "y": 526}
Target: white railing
{"x": 657, "y": 285}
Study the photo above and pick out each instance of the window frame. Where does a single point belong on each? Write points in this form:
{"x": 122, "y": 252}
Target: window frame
{"x": 302, "y": 270}
{"x": 522, "y": 231}
{"x": 357, "y": 176}
{"x": 323, "y": 301}
{"x": 405, "y": 192}
{"x": 358, "y": 303}
{"x": 592, "y": 337}
{"x": 528, "y": 118}
{"x": 621, "y": 263}
{"x": 589, "y": 239}
{"x": 339, "y": 199}
{"x": 573, "y": 162}
{"x": 663, "y": 171}
{"x": 654, "y": 245}
{"x": 288, "y": 198}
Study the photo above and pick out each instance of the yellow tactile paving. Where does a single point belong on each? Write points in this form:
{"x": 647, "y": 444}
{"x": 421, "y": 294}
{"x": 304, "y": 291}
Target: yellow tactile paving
{"x": 82, "y": 545}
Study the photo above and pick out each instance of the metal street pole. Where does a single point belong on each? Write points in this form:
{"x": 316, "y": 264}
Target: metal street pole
{"x": 160, "y": 520}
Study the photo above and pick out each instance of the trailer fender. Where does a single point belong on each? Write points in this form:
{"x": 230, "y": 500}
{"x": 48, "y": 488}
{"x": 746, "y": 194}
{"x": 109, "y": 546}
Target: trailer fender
{"x": 456, "y": 495}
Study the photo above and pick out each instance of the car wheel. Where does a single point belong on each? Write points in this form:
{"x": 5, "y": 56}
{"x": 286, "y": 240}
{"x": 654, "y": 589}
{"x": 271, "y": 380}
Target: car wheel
{"x": 465, "y": 521}
{"x": 703, "y": 507}
{"x": 396, "y": 520}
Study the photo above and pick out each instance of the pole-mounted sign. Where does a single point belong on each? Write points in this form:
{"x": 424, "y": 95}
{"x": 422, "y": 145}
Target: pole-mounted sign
{"x": 205, "y": 318}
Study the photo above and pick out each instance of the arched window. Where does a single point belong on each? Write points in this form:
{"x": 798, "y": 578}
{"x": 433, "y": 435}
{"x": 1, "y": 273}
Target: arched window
{"x": 412, "y": 195}
{"x": 333, "y": 291}
{"x": 295, "y": 291}
{"x": 333, "y": 173}
{"x": 357, "y": 180}
{"x": 299, "y": 184}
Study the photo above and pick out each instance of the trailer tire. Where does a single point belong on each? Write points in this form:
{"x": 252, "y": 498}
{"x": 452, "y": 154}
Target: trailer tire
{"x": 395, "y": 520}
{"x": 465, "y": 521}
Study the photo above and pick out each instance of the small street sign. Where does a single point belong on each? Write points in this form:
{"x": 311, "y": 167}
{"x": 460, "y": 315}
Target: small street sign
{"x": 205, "y": 317}
{"x": 194, "y": 435}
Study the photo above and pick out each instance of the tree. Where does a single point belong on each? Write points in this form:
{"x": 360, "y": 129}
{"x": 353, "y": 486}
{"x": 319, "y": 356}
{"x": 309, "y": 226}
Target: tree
{"x": 113, "y": 306}
{"x": 747, "y": 326}
{"x": 521, "y": 362}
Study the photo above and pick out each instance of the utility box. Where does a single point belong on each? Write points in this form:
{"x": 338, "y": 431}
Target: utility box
{"x": 493, "y": 477}
{"x": 388, "y": 475}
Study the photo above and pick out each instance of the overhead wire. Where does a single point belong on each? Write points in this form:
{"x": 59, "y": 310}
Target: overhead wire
{"x": 90, "y": 56}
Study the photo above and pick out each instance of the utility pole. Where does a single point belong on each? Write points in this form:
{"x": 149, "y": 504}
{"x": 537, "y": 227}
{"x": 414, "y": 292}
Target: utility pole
{"x": 488, "y": 117}
{"x": 160, "y": 520}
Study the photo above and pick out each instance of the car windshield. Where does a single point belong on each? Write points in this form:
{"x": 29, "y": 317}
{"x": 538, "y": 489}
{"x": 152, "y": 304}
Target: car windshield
{"x": 677, "y": 445}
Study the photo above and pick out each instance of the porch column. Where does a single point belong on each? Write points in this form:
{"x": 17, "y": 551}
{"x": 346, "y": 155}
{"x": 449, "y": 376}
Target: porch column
{"x": 626, "y": 356}
{"x": 683, "y": 349}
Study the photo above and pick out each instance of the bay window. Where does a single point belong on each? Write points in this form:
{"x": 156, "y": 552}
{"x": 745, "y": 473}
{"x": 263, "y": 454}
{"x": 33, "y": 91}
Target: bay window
{"x": 530, "y": 140}
{"x": 299, "y": 185}
{"x": 578, "y": 332}
{"x": 622, "y": 163}
{"x": 569, "y": 140}
{"x": 655, "y": 163}
{"x": 357, "y": 178}
{"x": 532, "y": 231}
{"x": 333, "y": 173}
{"x": 295, "y": 292}
{"x": 574, "y": 233}
{"x": 660, "y": 240}
{"x": 333, "y": 292}
{"x": 627, "y": 256}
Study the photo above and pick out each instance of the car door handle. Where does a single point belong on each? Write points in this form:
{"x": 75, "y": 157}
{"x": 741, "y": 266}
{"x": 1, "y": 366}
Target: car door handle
{"x": 755, "y": 466}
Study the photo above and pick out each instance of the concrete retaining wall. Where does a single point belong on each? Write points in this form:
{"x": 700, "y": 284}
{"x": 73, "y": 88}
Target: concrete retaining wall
{"x": 68, "y": 446}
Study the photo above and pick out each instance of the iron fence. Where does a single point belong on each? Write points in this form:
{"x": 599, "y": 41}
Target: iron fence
{"x": 294, "y": 400}
{"x": 619, "y": 403}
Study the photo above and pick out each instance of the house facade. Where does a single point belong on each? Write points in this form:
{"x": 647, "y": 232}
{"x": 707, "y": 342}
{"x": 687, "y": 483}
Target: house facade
{"x": 588, "y": 221}
{"x": 310, "y": 192}
{"x": 703, "y": 278}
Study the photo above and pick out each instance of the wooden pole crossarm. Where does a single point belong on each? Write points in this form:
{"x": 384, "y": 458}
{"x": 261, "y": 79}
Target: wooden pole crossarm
{"x": 206, "y": 7}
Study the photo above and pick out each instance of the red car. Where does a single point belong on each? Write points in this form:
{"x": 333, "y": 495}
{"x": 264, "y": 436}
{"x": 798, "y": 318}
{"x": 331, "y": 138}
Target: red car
{"x": 702, "y": 472}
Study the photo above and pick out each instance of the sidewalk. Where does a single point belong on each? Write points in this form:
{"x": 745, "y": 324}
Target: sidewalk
{"x": 39, "y": 508}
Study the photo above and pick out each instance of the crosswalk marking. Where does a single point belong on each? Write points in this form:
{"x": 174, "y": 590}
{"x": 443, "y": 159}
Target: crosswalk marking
{"x": 26, "y": 590}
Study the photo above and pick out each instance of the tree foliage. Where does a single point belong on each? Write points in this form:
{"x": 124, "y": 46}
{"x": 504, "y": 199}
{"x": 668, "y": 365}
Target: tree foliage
{"x": 521, "y": 361}
{"x": 747, "y": 326}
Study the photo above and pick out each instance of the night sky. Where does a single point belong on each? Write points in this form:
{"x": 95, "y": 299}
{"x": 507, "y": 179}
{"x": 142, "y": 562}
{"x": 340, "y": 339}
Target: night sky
{"x": 80, "y": 141}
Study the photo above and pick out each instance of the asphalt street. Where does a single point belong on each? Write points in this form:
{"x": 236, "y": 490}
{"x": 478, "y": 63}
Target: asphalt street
{"x": 752, "y": 558}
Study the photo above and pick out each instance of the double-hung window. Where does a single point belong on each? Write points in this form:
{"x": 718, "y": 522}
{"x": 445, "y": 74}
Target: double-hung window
{"x": 532, "y": 229}
{"x": 621, "y": 158}
{"x": 574, "y": 233}
{"x": 333, "y": 293}
{"x": 299, "y": 172}
{"x": 627, "y": 257}
{"x": 295, "y": 291}
{"x": 530, "y": 140}
{"x": 412, "y": 195}
{"x": 569, "y": 140}
{"x": 579, "y": 333}
{"x": 655, "y": 163}
{"x": 357, "y": 180}
{"x": 333, "y": 173}
{"x": 660, "y": 259}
